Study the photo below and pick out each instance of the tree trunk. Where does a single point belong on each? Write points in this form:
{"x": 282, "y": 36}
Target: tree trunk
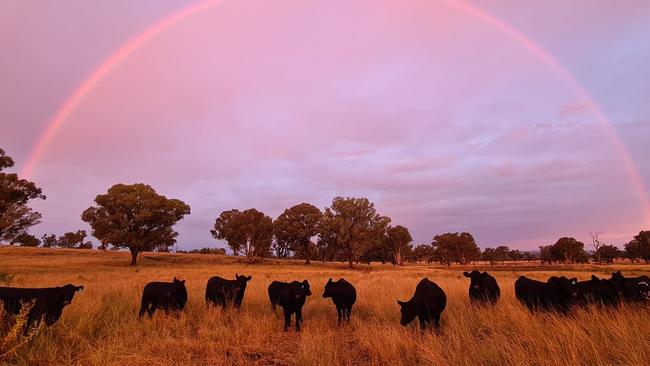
{"x": 350, "y": 261}
{"x": 307, "y": 251}
{"x": 134, "y": 257}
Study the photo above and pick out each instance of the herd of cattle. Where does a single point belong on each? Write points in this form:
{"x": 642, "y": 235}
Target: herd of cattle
{"x": 427, "y": 304}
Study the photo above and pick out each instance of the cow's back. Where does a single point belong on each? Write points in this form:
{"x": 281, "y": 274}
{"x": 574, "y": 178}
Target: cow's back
{"x": 345, "y": 291}
{"x": 275, "y": 290}
{"x": 430, "y": 293}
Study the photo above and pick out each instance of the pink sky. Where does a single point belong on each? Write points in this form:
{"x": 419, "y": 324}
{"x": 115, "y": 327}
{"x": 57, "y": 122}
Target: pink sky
{"x": 442, "y": 120}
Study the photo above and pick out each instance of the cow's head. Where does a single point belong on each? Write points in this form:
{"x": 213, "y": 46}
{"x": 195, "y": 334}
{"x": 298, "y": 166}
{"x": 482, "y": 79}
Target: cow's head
{"x": 328, "y": 289}
{"x": 68, "y": 291}
{"x": 179, "y": 282}
{"x": 408, "y": 311}
{"x": 242, "y": 280}
{"x": 643, "y": 288}
{"x": 476, "y": 279}
{"x": 614, "y": 287}
{"x": 565, "y": 286}
{"x": 617, "y": 276}
{"x": 305, "y": 290}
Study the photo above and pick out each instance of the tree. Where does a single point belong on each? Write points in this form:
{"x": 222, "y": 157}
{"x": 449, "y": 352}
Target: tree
{"x": 398, "y": 242}
{"x": 250, "y": 231}
{"x": 489, "y": 255}
{"x": 135, "y": 217}
{"x": 423, "y": 253}
{"x": 569, "y": 250}
{"x": 326, "y": 243}
{"x": 455, "y": 247}
{"x": 607, "y": 253}
{"x": 224, "y": 229}
{"x": 528, "y": 256}
{"x": 281, "y": 249}
{"x": 296, "y": 226}
{"x": 515, "y": 255}
{"x": 639, "y": 247}
{"x": 545, "y": 254}
{"x": 49, "y": 241}
{"x": 74, "y": 240}
{"x": 298, "y": 254}
{"x": 26, "y": 240}
{"x": 501, "y": 253}
{"x": 353, "y": 225}
{"x": 15, "y": 216}
{"x": 596, "y": 244}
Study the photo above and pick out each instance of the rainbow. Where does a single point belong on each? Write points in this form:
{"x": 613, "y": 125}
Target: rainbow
{"x": 139, "y": 40}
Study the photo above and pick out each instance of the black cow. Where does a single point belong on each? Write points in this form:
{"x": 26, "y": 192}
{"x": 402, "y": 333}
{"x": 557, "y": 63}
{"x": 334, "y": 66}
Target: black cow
{"x": 46, "y": 303}
{"x": 223, "y": 292}
{"x": 343, "y": 294}
{"x": 558, "y": 293}
{"x": 292, "y": 297}
{"x": 599, "y": 291}
{"x": 168, "y": 296}
{"x": 428, "y": 302}
{"x": 635, "y": 289}
{"x": 483, "y": 287}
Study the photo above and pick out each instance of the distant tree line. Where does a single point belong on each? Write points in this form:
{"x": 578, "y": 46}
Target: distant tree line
{"x": 137, "y": 218}
{"x": 204, "y": 250}
{"x": 70, "y": 239}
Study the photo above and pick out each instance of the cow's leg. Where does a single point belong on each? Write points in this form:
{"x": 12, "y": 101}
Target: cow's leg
{"x": 298, "y": 318}
{"x": 152, "y": 308}
{"x": 436, "y": 320}
{"x": 32, "y": 320}
{"x": 349, "y": 312}
{"x": 424, "y": 319}
{"x": 287, "y": 319}
{"x": 143, "y": 308}
{"x": 339, "y": 311}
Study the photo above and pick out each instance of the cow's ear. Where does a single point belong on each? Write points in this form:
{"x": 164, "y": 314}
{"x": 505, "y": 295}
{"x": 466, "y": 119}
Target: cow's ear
{"x": 594, "y": 278}
{"x": 466, "y": 274}
{"x": 330, "y": 280}
{"x": 401, "y": 303}
{"x": 175, "y": 279}
{"x": 484, "y": 273}
{"x": 249, "y": 278}
{"x": 236, "y": 275}
{"x": 80, "y": 288}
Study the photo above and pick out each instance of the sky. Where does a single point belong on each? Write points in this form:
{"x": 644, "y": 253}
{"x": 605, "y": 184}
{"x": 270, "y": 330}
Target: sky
{"x": 446, "y": 122}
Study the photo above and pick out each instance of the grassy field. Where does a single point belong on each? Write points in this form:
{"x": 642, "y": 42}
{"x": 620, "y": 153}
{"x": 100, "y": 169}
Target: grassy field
{"x": 101, "y": 327}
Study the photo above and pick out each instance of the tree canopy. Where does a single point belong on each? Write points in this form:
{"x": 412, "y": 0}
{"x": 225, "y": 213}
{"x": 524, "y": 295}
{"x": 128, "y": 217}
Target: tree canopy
{"x": 135, "y": 217}
{"x": 15, "y": 216}
{"x": 455, "y": 247}
{"x": 74, "y": 240}
{"x": 249, "y": 231}
{"x": 639, "y": 247}
{"x": 295, "y": 227}
{"x": 398, "y": 243}
{"x": 26, "y": 240}
{"x": 352, "y": 225}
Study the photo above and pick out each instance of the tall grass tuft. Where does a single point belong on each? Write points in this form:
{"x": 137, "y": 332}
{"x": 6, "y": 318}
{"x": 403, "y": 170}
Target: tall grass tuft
{"x": 12, "y": 332}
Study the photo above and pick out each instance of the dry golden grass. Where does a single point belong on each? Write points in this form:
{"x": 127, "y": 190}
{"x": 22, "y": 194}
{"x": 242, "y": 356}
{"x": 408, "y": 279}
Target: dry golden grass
{"x": 101, "y": 327}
